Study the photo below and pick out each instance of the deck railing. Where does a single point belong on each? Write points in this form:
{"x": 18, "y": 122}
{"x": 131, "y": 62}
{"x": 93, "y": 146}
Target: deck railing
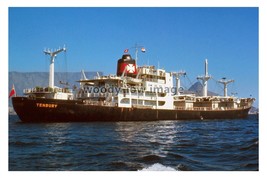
{"x": 209, "y": 108}
{"x": 46, "y": 90}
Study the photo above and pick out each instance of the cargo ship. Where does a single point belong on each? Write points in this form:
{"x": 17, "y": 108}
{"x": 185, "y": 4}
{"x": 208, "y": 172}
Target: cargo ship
{"x": 135, "y": 93}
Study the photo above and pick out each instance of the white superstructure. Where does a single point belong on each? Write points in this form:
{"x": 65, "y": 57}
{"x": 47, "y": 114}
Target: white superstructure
{"x": 152, "y": 88}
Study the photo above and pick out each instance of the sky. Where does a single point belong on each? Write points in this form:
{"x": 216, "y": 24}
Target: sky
{"x": 175, "y": 38}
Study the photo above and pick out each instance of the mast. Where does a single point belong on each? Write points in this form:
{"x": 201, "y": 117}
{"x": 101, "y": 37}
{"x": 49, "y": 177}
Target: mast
{"x": 136, "y": 51}
{"x": 225, "y": 83}
{"x": 178, "y": 75}
{"x": 53, "y": 55}
{"x": 205, "y": 79}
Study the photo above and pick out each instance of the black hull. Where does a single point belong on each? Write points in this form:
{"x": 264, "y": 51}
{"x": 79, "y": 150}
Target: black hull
{"x": 50, "y": 110}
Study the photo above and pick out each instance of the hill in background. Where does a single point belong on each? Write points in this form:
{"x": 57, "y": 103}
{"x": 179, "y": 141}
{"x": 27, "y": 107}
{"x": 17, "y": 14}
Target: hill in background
{"x": 197, "y": 89}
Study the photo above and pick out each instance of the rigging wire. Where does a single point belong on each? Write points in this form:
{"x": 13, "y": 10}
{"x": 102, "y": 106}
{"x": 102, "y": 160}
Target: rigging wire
{"x": 66, "y": 67}
{"x": 59, "y": 71}
{"x": 218, "y": 88}
{"x": 190, "y": 82}
{"x": 62, "y": 74}
{"x": 186, "y": 82}
{"x": 45, "y": 63}
{"x": 233, "y": 89}
{"x": 46, "y": 68}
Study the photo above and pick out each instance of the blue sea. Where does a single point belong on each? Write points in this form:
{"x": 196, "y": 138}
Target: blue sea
{"x": 207, "y": 145}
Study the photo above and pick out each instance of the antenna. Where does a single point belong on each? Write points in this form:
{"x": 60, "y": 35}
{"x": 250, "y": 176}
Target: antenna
{"x": 136, "y": 51}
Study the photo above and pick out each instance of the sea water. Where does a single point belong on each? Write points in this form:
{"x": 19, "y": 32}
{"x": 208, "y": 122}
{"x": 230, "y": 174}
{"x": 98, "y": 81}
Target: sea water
{"x": 206, "y": 145}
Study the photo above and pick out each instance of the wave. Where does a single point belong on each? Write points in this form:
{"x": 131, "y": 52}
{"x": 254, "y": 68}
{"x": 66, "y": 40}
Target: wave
{"x": 158, "y": 167}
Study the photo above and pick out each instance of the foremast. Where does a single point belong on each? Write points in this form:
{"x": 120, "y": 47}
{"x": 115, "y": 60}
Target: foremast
{"x": 50, "y": 92}
{"x": 53, "y": 55}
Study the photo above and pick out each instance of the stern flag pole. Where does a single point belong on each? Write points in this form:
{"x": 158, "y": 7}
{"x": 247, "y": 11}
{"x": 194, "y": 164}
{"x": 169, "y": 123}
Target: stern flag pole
{"x": 12, "y": 92}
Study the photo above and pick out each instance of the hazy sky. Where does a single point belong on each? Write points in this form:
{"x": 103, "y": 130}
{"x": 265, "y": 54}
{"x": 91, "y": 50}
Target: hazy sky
{"x": 175, "y": 39}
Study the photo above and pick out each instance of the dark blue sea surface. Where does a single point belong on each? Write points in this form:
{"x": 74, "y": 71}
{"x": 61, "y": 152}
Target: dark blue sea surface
{"x": 221, "y": 145}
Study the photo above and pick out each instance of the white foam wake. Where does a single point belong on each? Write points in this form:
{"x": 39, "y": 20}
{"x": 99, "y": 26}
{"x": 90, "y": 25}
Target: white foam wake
{"x": 158, "y": 167}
